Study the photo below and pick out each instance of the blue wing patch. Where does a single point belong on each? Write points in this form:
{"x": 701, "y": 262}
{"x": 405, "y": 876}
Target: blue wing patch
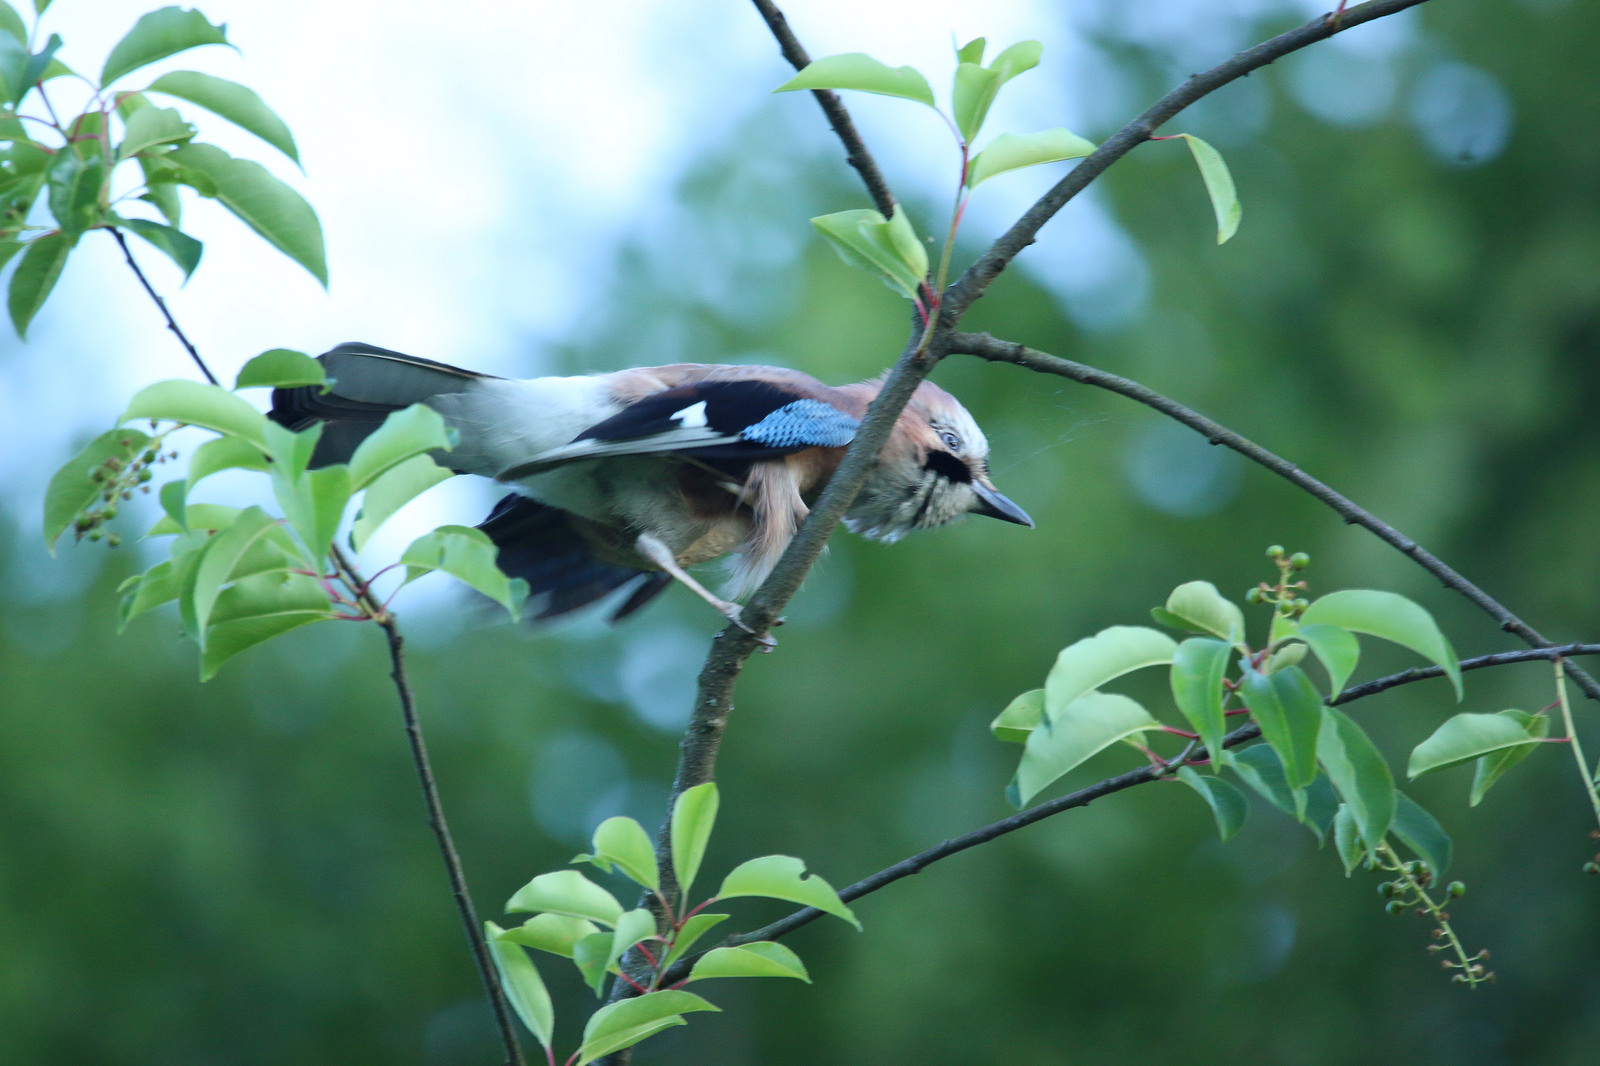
{"x": 803, "y": 423}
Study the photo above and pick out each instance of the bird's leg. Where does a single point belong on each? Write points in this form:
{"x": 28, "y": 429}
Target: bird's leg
{"x": 655, "y": 549}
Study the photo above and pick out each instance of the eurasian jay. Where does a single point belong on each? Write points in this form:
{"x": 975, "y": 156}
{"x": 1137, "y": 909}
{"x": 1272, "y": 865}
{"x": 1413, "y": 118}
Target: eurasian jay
{"x": 635, "y": 476}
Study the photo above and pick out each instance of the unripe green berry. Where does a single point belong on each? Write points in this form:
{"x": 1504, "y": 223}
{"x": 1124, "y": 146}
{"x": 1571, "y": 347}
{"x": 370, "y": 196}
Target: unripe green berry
{"x": 1275, "y": 552}
{"x": 1457, "y": 890}
{"x": 113, "y": 540}
{"x": 1253, "y": 596}
{"x": 1394, "y": 906}
{"x": 144, "y": 474}
{"x": 109, "y": 513}
{"x": 1299, "y": 560}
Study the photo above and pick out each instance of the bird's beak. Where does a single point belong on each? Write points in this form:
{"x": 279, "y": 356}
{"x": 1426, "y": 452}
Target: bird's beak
{"x": 993, "y": 505}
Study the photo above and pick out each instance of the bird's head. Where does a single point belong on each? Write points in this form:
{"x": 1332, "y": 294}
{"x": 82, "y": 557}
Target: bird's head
{"x": 933, "y": 470}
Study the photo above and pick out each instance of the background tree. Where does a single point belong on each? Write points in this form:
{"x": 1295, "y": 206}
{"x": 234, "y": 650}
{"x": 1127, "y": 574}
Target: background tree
{"x": 197, "y": 853}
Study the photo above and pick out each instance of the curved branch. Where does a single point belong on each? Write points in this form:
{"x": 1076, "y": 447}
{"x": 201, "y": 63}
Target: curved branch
{"x": 985, "y": 346}
{"x": 1084, "y": 796}
{"x": 971, "y": 285}
{"x": 855, "y": 148}
{"x": 172, "y": 324}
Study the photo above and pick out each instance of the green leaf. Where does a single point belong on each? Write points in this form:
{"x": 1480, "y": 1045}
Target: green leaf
{"x": 467, "y": 555}
{"x": 1421, "y": 832}
{"x": 567, "y": 892}
{"x": 224, "y": 453}
{"x": 1359, "y": 774}
{"x": 761, "y": 958}
{"x": 1013, "y": 151}
{"x": 232, "y": 101}
{"x": 172, "y": 497}
{"x": 415, "y": 430}
{"x": 11, "y": 23}
{"x": 854, "y": 70}
{"x": 1199, "y": 666}
{"x": 692, "y": 930}
{"x": 1259, "y": 767}
{"x": 972, "y": 51}
{"x": 392, "y": 490}
{"x": 1336, "y": 648}
{"x": 866, "y": 238}
{"x": 589, "y": 956}
{"x": 693, "y": 816}
{"x": 221, "y": 562}
{"x": 256, "y": 609}
{"x": 1287, "y": 654}
{"x": 624, "y": 842}
{"x": 34, "y": 277}
{"x": 157, "y": 35}
{"x": 1227, "y": 803}
{"x": 1492, "y": 766}
{"x": 74, "y": 187}
{"x": 1347, "y": 840}
{"x": 1085, "y": 665}
{"x": 147, "y": 127}
{"x": 783, "y": 877}
{"x": 1018, "y": 59}
{"x": 262, "y": 202}
{"x": 206, "y": 517}
{"x": 1083, "y": 728}
{"x": 291, "y": 450}
{"x": 280, "y": 368}
{"x": 314, "y": 505}
{"x": 14, "y": 61}
{"x": 626, "y": 1022}
{"x": 1391, "y": 617}
{"x": 971, "y": 96}
{"x": 1021, "y": 717}
{"x": 523, "y": 986}
{"x": 179, "y": 246}
{"x": 192, "y": 403}
{"x": 73, "y": 487}
{"x": 1470, "y": 736}
{"x": 1219, "y": 186}
{"x": 161, "y": 190}
{"x": 162, "y": 583}
{"x": 632, "y": 927}
{"x": 1198, "y": 606}
{"x": 1287, "y": 708}
{"x": 556, "y": 933}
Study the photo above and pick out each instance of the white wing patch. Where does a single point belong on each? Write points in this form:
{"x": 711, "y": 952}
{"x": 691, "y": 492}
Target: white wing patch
{"x": 691, "y": 417}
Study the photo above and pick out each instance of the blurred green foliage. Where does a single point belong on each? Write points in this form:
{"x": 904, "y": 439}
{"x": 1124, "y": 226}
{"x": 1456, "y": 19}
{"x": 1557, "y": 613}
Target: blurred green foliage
{"x": 240, "y": 872}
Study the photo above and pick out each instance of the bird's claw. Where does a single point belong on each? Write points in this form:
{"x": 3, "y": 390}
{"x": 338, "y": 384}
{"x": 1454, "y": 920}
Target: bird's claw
{"x": 733, "y": 614}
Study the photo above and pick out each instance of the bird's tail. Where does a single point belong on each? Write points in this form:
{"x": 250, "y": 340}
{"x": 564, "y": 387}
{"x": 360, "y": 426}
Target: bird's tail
{"x": 365, "y": 384}
{"x": 539, "y": 544}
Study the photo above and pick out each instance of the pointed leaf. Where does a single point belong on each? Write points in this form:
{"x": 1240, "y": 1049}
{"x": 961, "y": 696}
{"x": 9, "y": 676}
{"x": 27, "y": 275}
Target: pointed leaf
{"x": 523, "y": 986}
{"x": 556, "y": 933}
{"x": 864, "y": 238}
{"x": 262, "y": 202}
{"x": 1259, "y": 767}
{"x": 392, "y": 490}
{"x": 256, "y": 609}
{"x": 1335, "y": 647}
{"x": 1219, "y": 186}
{"x": 1227, "y": 803}
{"x": 628, "y": 1021}
{"x": 632, "y": 927}
{"x": 971, "y": 96}
{"x": 1391, "y": 617}
{"x": 161, "y": 188}
{"x": 11, "y": 23}
{"x": 39, "y": 63}
{"x": 157, "y": 35}
{"x": 589, "y": 956}
{"x": 784, "y": 877}
{"x": 854, "y": 70}
{"x": 1347, "y": 840}
{"x": 1421, "y": 832}
{"x": 197, "y": 517}
{"x": 1013, "y": 151}
{"x": 73, "y": 487}
{"x": 314, "y": 505}
{"x": 1470, "y": 736}
{"x": 75, "y": 184}
{"x": 1199, "y": 666}
{"x": 467, "y": 555}
{"x": 222, "y": 560}
{"x": 1491, "y": 767}
{"x": 1198, "y": 605}
{"x": 1087, "y": 664}
{"x": 623, "y": 841}
{"x": 416, "y": 430}
{"x": 692, "y": 930}
{"x": 761, "y": 958}
{"x": 280, "y": 368}
{"x": 1083, "y": 728}
{"x": 1019, "y": 58}
{"x": 181, "y": 248}
{"x": 972, "y": 51}
{"x": 34, "y": 277}
{"x": 567, "y": 892}
{"x": 146, "y": 127}
{"x": 232, "y": 101}
{"x": 14, "y": 61}
{"x": 1289, "y": 711}
{"x": 693, "y": 816}
{"x": 1291, "y": 653}
{"x": 1021, "y": 717}
{"x": 1359, "y": 774}
{"x": 195, "y": 404}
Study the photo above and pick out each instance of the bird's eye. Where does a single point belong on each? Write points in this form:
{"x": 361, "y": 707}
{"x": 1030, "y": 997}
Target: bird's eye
{"x": 951, "y": 441}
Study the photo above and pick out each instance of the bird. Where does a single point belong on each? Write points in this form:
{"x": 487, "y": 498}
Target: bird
{"x": 629, "y": 478}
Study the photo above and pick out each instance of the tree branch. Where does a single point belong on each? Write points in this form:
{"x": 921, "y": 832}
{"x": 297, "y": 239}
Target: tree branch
{"x": 987, "y": 347}
{"x": 122, "y": 242}
{"x": 854, "y": 147}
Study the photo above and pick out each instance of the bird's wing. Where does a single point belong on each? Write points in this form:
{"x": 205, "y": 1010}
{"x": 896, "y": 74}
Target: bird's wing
{"x": 746, "y": 420}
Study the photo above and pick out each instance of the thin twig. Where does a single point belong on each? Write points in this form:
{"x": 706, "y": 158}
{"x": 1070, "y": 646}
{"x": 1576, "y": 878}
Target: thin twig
{"x": 447, "y": 847}
{"x": 855, "y": 148}
{"x": 1084, "y": 796}
{"x": 987, "y": 347}
{"x": 122, "y": 242}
